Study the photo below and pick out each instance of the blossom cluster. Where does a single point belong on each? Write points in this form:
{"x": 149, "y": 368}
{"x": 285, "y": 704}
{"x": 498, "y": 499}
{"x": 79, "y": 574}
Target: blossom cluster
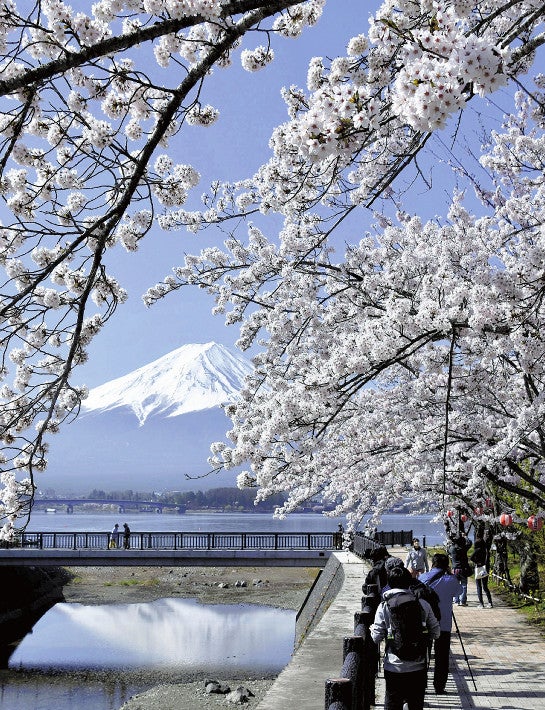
{"x": 84, "y": 122}
{"x": 87, "y": 115}
{"x": 412, "y": 367}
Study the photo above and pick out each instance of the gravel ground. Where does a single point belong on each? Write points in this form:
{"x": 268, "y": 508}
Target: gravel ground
{"x": 282, "y": 587}
{"x": 186, "y": 696}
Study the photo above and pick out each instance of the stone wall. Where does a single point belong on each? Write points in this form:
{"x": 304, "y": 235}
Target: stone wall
{"x": 27, "y": 593}
{"x": 322, "y": 594}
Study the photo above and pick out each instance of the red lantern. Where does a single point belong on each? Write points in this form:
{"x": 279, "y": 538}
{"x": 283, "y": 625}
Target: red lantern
{"x": 535, "y": 523}
{"x": 449, "y": 513}
{"x": 488, "y": 503}
{"x": 506, "y": 519}
{"x": 478, "y": 511}
{"x": 463, "y": 518}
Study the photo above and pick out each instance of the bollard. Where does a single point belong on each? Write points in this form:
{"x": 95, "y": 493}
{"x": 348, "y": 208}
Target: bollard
{"x": 370, "y": 660}
{"x": 360, "y": 627}
{"x": 338, "y": 694}
{"x": 354, "y": 668}
{"x": 370, "y": 602}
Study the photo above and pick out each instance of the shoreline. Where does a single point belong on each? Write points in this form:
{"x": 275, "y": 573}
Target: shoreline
{"x": 281, "y": 587}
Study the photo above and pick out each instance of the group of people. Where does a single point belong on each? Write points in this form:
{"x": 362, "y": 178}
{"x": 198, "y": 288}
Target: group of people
{"x": 401, "y": 585}
{"x": 116, "y": 535}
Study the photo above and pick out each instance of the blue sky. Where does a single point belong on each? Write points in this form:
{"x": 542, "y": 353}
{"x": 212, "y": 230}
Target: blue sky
{"x": 250, "y": 106}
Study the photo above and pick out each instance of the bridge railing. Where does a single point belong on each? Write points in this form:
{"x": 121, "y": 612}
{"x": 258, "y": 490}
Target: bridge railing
{"x": 183, "y": 540}
{"x": 362, "y": 544}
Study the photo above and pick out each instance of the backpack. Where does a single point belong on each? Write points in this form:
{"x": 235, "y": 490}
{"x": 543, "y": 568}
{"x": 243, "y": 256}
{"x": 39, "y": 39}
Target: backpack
{"x": 422, "y": 590}
{"x": 407, "y": 636}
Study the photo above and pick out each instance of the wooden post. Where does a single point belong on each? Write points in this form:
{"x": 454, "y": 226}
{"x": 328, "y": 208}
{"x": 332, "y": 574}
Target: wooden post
{"x": 338, "y": 694}
{"x": 369, "y": 659}
{"x": 353, "y": 668}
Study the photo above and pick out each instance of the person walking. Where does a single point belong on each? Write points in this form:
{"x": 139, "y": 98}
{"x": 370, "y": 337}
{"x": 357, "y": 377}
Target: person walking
{"x": 126, "y": 536}
{"x": 457, "y": 549}
{"x": 417, "y": 559}
{"x": 447, "y": 587}
{"x": 481, "y": 557}
{"x": 405, "y": 678}
{"x": 339, "y": 537}
{"x": 114, "y": 539}
{"x": 377, "y": 574}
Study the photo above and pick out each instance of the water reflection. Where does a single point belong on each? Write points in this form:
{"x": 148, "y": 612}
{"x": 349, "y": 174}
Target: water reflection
{"x": 25, "y": 691}
{"x": 177, "y": 634}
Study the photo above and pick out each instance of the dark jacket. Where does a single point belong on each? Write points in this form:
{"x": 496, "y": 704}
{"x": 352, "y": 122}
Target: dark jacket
{"x": 480, "y": 553}
{"x": 377, "y": 575}
{"x": 458, "y": 552}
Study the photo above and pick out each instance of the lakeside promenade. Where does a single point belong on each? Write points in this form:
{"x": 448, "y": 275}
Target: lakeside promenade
{"x": 506, "y": 655}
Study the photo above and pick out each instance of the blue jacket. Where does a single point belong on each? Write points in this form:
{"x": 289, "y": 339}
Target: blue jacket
{"x": 446, "y": 587}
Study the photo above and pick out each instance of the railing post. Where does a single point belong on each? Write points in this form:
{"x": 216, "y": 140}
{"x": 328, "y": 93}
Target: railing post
{"x": 338, "y": 694}
{"x": 353, "y": 668}
{"x": 364, "y": 619}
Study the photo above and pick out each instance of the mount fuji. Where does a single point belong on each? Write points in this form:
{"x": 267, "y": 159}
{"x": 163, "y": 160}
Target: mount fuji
{"x": 148, "y": 429}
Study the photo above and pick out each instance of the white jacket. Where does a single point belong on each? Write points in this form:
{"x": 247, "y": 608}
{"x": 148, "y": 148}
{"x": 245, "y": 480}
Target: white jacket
{"x": 379, "y": 632}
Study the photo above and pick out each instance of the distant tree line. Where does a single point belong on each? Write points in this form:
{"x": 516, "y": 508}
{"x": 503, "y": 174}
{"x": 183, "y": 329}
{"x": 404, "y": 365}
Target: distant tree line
{"x": 229, "y": 499}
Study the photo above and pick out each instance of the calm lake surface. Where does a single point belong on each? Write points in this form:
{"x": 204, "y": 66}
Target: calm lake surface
{"x": 96, "y": 657}
{"x": 224, "y": 522}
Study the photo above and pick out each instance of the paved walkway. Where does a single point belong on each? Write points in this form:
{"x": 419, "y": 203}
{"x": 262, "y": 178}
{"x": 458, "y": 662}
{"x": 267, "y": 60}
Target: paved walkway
{"x": 506, "y": 656}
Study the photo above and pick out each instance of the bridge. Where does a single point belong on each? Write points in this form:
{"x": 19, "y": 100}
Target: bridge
{"x": 170, "y": 549}
{"x": 122, "y": 505}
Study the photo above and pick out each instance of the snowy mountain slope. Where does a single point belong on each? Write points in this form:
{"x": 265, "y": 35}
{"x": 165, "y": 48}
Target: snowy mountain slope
{"x": 151, "y": 427}
{"x": 111, "y": 451}
{"x": 189, "y": 379}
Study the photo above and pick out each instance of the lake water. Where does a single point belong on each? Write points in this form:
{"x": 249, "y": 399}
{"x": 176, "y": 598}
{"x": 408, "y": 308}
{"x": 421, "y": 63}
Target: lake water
{"x": 167, "y": 635}
{"x": 96, "y": 657}
{"x": 421, "y": 525}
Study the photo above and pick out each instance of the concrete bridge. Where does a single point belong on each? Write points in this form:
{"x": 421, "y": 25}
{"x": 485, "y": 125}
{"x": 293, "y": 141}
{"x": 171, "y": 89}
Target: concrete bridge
{"x": 164, "y": 558}
{"x": 169, "y": 549}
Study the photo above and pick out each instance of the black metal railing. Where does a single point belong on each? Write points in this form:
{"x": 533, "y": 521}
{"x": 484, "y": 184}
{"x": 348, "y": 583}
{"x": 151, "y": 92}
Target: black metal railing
{"x": 354, "y": 688}
{"x": 362, "y": 544}
{"x": 182, "y": 540}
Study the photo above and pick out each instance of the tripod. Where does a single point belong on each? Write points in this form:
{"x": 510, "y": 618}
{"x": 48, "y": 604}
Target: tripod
{"x": 463, "y": 649}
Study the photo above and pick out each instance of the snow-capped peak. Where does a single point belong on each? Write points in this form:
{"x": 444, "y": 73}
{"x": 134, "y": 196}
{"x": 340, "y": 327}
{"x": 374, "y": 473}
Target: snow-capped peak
{"x": 191, "y": 378}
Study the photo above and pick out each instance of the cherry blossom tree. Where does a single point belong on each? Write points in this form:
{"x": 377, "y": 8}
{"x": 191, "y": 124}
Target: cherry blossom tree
{"x": 91, "y": 102}
{"x": 412, "y": 364}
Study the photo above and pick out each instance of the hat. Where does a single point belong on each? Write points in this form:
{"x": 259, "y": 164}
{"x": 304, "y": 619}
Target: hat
{"x": 392, "y": 562}
{"x": 399, "y": 577}
{"x": 379, "y": 553}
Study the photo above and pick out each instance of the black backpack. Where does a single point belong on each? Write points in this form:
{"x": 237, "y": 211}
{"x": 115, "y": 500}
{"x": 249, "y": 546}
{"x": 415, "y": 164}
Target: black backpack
{"x": 421, "y": 590}
{"x": 407, "y": 636}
